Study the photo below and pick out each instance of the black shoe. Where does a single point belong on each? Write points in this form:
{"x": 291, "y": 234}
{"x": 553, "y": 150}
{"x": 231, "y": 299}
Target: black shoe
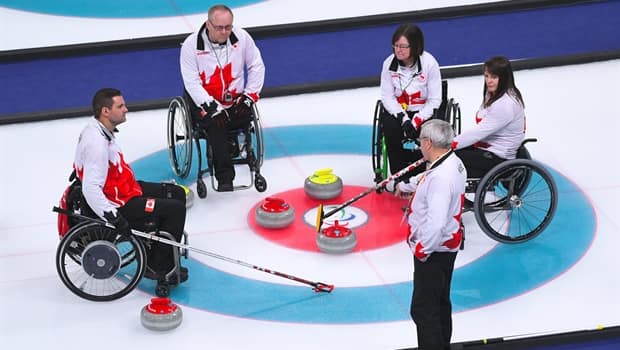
{"x": 468, "y": 206}
{"x": 184, "y": 275}
{"x": 225, "y": 186}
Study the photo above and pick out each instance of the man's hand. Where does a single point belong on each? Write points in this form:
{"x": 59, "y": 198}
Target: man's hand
{"x": 208, "y": 109}
{"x": 120, "y": 223}
{"x": 243, "y": 107}
{"x": 219, "y": 118}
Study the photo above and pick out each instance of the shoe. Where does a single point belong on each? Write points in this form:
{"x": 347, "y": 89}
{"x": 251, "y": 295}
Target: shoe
{"x": 184, "y": 275}
{"x": 225, "y": 186}
{"x": 468, "y": 206}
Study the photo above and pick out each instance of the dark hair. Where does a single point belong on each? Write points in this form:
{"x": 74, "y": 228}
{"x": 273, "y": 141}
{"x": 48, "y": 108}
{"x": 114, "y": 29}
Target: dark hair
{"x": 414, "y": 36}
{"x": 103, "y": 98}
{"x": 500, "y": 66}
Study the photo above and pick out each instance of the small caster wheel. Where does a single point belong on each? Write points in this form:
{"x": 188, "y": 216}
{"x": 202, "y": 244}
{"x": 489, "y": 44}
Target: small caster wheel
{"x": 162, "y": 290}
{"x": 201, "y": 189}
{"x": 260, "y": 183}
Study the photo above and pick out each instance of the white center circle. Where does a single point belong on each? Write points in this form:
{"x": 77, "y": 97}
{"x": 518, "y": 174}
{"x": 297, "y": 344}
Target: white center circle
{"x": 350, "y": 216}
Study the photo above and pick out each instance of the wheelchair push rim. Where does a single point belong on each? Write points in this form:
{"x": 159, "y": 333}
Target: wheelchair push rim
{"x": 95, "y": 264}
{"x": 179, "y": 137}
{"x": 515, "y": 201}
{"x": 379, "y": 152}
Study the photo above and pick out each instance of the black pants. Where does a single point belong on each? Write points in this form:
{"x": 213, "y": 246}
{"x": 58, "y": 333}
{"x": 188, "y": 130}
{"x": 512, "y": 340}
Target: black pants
{"x": 168, "y": 213}
{"x": 431, "y": 308}
{"x": 477, "y": 161}
{"x": 218, "y": 140}
{"x": 398, "y": 156}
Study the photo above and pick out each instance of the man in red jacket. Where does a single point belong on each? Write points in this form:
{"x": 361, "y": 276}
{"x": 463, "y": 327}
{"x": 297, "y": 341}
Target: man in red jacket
{"x": 112, "y": 192}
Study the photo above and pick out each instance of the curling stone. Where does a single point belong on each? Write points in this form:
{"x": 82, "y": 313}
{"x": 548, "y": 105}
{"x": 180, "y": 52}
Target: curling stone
{"x": 323, "y": 184}
{"x": 274, "y": 213}
{"x": 189, "y": 196}
{"x": 161, "y": 315}
{"x": 336, "y": 239}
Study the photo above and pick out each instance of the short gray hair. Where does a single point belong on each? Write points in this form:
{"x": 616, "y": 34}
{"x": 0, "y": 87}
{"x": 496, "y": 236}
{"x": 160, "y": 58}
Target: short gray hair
{"x": 439, "y": 132}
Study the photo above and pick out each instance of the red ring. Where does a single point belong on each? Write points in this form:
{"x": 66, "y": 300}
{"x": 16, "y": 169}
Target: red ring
{"x": 381, "y": 229}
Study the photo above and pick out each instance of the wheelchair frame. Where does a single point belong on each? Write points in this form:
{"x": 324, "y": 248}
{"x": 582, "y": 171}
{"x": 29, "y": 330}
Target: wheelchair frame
{"x": 97, "y": 264}
{"x": 514, "y": 202}
{"x": 182, "y": 131}
{"x": 449, "y": 110}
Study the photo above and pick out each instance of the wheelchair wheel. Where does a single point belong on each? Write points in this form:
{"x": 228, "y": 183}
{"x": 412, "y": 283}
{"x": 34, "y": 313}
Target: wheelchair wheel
{"x": 95, "y": 266}
{"x": 179, "y": 137}
{"x": 201, "y": 188}
{"x": 472, "y": 184}
{"x": 515, "y": 201}
{"x": 260, "y": 183}
{"x": 379, "y": 152}
{"x": 453, "y": 115}
{"x": 257, "y": 142}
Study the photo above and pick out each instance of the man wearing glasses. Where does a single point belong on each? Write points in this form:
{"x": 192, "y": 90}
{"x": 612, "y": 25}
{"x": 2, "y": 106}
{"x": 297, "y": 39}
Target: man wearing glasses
{"x": 435, "y": 233}
{"x": 213, "y": 61}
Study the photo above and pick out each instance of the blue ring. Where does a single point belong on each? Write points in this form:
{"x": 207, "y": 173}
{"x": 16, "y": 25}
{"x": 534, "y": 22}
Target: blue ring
{"x": 118, "y": 8}
{"x": 505, "y": 272}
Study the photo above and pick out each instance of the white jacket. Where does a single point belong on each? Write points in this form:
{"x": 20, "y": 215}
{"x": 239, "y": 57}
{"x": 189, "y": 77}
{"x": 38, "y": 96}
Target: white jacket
{"x": 418, "y": 86}
{"x": 209, "y": 70}
{"x": 500, "y": 128}
{"x": 107, "y": 179}
{"x": 436, "y": 207}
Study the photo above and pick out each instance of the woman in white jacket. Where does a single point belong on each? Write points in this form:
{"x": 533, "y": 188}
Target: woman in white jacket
{"x": 500, "y": 122}
{"x": 410, "y": 91}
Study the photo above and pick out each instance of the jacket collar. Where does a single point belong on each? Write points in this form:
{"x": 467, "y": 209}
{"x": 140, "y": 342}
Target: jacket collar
{"x": 440, "y": 160}
{"x": 395, "y": 63}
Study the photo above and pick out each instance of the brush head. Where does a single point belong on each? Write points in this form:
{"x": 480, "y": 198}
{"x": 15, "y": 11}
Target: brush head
{"x": 322, "y": 287}
{"x": 319, "y": 218}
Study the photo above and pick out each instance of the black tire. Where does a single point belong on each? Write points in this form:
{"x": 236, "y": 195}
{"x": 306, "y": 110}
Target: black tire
{"x": 201, "y": 188}
{"x": 379, "y": 154}
{"x": 258, "y": 145}
{"x": 180, "y": 137}
{"x": 260, "y": 183}
{"x": 524, "y": 200}
{"x": 453, "y": 115}
{"x": 72, "y": 255}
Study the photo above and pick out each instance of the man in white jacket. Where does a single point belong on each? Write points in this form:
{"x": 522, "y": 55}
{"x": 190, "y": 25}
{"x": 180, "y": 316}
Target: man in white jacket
{"x": 435, "y": 233}
{"x": 213, "y": 61}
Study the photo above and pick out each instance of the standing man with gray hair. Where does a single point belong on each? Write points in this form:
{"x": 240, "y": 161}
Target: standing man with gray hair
{"x": 435, "y": 233}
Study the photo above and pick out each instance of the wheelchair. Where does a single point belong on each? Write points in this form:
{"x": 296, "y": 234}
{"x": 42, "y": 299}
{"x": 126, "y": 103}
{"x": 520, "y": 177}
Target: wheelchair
{"x": 448, "y": 110}
{"x": 184, "y": 133}
{"x": 96, "y": 263}
{"x": 515, "y": 200}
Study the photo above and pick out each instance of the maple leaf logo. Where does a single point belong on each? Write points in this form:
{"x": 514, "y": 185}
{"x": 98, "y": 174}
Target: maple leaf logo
{"x": 219, "y": 82}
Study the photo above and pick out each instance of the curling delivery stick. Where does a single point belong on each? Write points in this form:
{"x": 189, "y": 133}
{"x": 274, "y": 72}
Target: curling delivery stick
{"x": 316, "y": 286}
{"x": 320, "y": 216}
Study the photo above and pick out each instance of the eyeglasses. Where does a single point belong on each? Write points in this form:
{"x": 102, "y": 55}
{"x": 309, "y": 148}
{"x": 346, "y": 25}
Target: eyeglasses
{"x": 226, "y": 28}
{"x": 402, "y": 47}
